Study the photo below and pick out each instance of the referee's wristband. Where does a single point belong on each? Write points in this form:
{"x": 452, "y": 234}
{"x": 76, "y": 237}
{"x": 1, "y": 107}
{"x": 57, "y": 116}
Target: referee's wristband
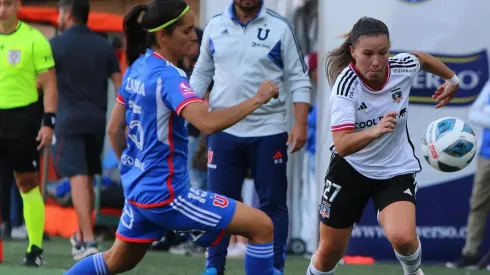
{"x": 453, "y": 81}
{"x": 49, "y": 119}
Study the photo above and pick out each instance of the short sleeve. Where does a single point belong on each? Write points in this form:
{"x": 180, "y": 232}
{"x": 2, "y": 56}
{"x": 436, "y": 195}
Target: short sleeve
{"x": 177, "y": 93}
{"x": 342, "y": 113}
{"x": 120, "y": 98}
{"x": 342, "y": 103}
{"x": 405, "y": 63}
{"x": 122, "y": 94}
{"x": 42, "y": 54}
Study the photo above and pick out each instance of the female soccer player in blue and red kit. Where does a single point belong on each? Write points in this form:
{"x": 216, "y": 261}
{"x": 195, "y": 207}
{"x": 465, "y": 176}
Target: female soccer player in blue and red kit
{"x": 154, "y": 103}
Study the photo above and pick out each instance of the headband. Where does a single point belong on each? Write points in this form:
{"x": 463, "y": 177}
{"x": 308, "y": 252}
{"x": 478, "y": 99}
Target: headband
{"x": 357, "y": 35}
{"x": 171, "y": 21}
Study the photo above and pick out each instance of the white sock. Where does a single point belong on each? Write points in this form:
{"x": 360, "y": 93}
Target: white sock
{"x": 411, "y": 264}
{"x": 313, "y": 271}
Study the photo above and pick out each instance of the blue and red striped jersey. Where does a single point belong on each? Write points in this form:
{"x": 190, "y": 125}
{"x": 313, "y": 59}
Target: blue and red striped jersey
{"x": 154, "y": 165}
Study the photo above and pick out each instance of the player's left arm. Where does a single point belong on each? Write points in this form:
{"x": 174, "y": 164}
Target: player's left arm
{"x": 296, "y": 75}
{"x": 44, "y": 66}
{"x": 445, "y": 93}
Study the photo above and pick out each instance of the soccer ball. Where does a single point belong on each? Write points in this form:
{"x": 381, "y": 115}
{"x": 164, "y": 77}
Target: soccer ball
{"x": 449, "y": 144}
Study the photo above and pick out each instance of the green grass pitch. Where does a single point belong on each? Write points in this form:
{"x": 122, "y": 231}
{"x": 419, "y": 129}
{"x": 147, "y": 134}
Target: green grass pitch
{"x": 57, "y": 259}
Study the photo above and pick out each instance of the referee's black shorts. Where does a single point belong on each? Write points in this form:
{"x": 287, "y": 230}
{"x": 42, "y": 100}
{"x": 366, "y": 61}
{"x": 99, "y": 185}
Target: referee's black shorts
{"x": 18, "y": 132}
{"x": 346, "y": 193}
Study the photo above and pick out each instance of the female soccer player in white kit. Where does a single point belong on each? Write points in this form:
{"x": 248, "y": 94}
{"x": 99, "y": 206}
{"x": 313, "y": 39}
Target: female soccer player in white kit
{"x": 373, "y": 156}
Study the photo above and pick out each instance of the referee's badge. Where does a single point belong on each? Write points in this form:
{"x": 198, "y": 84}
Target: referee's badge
{"x": 14, "y": 57}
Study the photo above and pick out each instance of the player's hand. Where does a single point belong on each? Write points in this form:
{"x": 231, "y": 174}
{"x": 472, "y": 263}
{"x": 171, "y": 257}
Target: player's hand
{"x": 297, "y": 137}
{"x": 444, "y": 94}
{"x": 45, "y": 137}
{"x": 386, "y": 125}
{"x": 266, "y": 91}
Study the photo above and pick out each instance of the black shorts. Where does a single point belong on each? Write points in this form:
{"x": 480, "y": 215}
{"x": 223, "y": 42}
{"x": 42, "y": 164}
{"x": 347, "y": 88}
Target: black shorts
{"x": 347, "y": 192}
{"x": 78, "y": 155}
{"x": 18, "y": 131}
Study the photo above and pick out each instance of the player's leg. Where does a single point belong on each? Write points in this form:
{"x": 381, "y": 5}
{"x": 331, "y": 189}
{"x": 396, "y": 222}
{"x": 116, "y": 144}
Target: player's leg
{"x": 268, "y": 162}
{"x": 207, "y": 218}
{"x": 227, "y": 166}
{"x": 70, "y": 161}
{"x": 344, "y": 198}
{"x": 123, "y": 256}
{"x": 25, "y": 160}
{"x": 395, "y": 200}
{"x": 257, "y": 227}
{"x": 135, "y": 234}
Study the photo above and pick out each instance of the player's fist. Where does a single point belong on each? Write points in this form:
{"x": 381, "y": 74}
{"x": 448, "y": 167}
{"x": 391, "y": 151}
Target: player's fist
{"x": 266, "y": 91}
{"x": 386, "y": 125}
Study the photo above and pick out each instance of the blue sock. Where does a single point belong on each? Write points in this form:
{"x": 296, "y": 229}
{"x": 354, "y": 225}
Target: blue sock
{"x": 92, "y": 265}
{"x": 217, "y": 254}
{"x": 259, "y": 259}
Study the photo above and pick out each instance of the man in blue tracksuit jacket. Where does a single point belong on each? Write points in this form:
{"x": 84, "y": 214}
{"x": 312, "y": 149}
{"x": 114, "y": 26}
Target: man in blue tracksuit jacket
{"x": 241, "y": 47}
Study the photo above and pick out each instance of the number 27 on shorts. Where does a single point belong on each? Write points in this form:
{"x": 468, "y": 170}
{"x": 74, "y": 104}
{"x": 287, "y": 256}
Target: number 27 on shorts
{"x": 330, "y": 191}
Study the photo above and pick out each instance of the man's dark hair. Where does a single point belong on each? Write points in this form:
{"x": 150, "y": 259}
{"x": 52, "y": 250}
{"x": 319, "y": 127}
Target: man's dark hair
{"x": 79, "y": 9}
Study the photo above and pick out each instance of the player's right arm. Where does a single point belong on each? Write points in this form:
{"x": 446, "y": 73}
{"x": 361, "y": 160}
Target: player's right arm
{"x": 116, "y": 129}
{"x": 203, "y": 71}
{"x": 180, "y": 97}
{"x": 343, "y": 119}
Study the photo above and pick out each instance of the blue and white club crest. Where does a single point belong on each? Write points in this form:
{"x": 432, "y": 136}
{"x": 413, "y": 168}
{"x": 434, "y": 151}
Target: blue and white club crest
{"x": 14, "y": 57}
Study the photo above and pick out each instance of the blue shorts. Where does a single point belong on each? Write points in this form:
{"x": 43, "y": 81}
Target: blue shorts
{"x": 199, "y": 215}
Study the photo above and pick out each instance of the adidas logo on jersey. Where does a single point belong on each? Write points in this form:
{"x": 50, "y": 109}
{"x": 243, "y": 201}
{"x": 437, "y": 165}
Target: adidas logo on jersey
{"x": 225, "y": 32}
{"x": 408, "y": 192}
{"x": 362, "y": 107}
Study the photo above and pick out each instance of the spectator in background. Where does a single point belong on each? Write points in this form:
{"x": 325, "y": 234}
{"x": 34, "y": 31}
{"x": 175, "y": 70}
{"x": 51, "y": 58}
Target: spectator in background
{"x": 309, "y": 190}
{"x": 198, "y": 179}
{"x": 260, "y": 141}
{"x": 480, "y": 197}
{"x": 84, "y": 62}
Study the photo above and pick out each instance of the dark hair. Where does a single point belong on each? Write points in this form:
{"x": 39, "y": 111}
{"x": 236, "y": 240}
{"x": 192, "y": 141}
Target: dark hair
{"x": 80, "y": 9}
{"x": 339, "y": 58}
{"x": 157, "y": 13}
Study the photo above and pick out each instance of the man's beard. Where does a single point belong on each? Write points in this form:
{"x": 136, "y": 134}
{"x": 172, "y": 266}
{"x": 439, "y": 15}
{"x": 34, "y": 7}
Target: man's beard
{"x": 248, "y": 8}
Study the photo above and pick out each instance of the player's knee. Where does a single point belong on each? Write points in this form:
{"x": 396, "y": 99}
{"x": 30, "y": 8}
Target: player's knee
{"x": 264, "y": 232}
{"x": 27, "y": 181}
{"x": 402, "y": 240}
{"x": 327, "y": 256}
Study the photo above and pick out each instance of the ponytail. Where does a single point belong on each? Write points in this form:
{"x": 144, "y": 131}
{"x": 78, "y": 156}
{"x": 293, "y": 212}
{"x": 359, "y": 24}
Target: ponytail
{"x": 135, "y": 34}
{"x": 338, "y": 59}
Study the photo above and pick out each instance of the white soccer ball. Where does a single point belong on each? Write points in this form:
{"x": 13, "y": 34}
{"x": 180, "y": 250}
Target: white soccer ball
{"x": 449, "y": 144}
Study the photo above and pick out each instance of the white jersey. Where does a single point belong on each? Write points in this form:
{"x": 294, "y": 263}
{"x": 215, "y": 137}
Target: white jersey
{"x": 240, "y": 57}
{"x": 356, "y": 106}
